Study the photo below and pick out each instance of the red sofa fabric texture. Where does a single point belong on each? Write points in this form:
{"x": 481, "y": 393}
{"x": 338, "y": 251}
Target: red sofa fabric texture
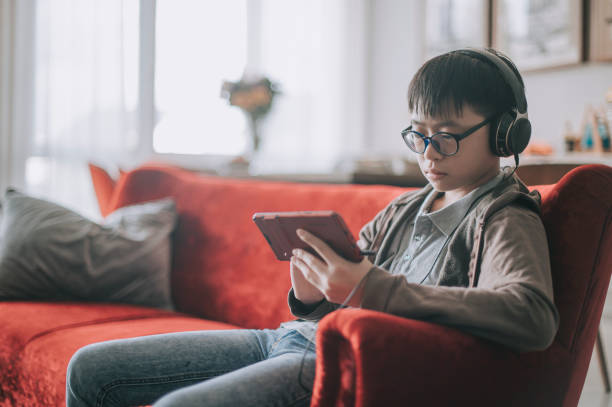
{"x": 225, "y": 276}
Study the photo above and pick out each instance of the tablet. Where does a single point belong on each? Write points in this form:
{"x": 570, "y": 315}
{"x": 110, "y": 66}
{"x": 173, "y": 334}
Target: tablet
{"x": 279, "y": 229}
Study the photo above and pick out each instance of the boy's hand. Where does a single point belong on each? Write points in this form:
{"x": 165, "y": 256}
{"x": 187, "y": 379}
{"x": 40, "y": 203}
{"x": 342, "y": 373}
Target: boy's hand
{"x": 302, "y": 289}
{"x": 334, "y": 276}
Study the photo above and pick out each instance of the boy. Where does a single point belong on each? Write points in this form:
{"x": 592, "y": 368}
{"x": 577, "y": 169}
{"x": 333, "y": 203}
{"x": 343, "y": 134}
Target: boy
{"x": 469, "y": 250}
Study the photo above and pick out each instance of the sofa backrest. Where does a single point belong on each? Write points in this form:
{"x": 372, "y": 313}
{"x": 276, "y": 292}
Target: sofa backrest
{"x": 223, "y": 268}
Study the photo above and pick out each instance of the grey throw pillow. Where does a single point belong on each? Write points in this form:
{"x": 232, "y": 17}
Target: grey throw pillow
{"x": 48, "y": 252}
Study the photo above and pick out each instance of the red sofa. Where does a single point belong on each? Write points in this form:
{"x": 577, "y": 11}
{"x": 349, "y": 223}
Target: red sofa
{"x": 225, "y": 276}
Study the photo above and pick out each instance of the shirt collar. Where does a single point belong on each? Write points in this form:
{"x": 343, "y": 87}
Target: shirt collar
{"x": 447, "y": 218}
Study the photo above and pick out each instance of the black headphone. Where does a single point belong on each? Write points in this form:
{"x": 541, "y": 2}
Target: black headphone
{"x": 510, "y": 133}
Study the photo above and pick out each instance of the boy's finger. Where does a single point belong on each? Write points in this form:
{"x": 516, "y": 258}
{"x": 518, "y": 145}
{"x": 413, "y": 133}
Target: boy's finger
{"x": 307, "y": 272}
{"x": 326, "y": 252}
{"x": 309, "y": 259}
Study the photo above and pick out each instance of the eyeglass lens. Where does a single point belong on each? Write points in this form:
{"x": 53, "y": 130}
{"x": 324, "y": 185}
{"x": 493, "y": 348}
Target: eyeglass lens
{"x": 443, "y": 143}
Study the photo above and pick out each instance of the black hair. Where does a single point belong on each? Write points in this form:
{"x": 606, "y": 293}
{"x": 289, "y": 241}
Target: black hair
{"x": 446, "y": 83}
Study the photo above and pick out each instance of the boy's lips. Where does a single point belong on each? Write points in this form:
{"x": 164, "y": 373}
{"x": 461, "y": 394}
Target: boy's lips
{"x": 435, "y": 174}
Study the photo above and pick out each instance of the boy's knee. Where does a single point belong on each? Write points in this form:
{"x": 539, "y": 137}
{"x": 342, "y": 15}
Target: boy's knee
{"x": 80, "y": 374}
{"x": 83, "y": 360}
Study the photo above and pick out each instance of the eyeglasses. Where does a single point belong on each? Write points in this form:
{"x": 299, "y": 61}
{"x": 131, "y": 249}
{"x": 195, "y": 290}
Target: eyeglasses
{"x": 445, "y": 143}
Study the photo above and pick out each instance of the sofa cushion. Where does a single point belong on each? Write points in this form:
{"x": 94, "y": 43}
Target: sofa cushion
{"x": 49, "y": 252}
{"x": 46, "y": 335}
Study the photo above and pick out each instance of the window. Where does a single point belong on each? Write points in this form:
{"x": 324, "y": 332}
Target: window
{"x": 120, "y": 82}
{"x": 198, "y": 44}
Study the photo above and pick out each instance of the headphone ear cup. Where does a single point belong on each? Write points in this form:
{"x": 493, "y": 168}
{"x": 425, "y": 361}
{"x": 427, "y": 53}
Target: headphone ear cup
{"x": 520, "y": 133}
{"x": 500, "y": 135}
{"x": 494, "y": 127}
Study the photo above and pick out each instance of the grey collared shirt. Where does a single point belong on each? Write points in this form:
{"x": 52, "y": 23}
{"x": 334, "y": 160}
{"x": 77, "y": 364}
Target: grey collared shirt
{"x": 425, "y": 237}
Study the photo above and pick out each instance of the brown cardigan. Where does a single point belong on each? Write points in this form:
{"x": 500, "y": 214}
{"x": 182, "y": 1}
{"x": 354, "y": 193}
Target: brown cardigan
{"x": 495, "y": 281}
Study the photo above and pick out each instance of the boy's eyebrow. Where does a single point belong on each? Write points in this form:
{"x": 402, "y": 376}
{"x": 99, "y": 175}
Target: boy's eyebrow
{"x": 437, "y": 124}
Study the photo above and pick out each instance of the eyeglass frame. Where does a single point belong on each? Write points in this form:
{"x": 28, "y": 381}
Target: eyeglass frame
{"x": 457, "y": 137}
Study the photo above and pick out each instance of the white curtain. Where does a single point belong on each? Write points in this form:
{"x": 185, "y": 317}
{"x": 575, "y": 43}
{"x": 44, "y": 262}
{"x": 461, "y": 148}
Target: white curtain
{"x": 16, "y": 88}
{"x": 85, "y": 87}
{"x": 86, "y": 77}
{"x": 6, "y": 78}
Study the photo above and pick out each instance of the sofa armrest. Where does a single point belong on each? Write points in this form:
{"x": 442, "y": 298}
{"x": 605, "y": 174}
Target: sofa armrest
{"x": 369, "y": 358}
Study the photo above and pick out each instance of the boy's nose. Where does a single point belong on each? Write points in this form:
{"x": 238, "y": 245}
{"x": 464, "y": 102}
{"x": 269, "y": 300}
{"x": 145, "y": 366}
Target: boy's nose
{"x": 431, "y": 153}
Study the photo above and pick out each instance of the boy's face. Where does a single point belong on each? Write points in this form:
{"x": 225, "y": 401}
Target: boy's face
{"x": 472, "y": 165}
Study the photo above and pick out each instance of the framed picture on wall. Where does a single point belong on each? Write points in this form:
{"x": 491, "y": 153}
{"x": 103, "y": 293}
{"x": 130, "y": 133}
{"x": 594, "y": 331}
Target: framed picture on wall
{"x": 452, "y": 24}
{"x": 600, "y": 30}
{"x": 538, "y": 34}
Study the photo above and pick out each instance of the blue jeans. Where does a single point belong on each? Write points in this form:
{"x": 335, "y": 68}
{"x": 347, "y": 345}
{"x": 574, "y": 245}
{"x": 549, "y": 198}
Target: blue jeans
{"x": 202, "y": 368}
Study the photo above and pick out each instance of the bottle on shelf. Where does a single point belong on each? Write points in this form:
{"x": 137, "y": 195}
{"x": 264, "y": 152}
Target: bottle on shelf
{"x": 603, "y": 130}
{"x": 572, "y": 140}
{"x": 588, "y": 139}
{"x": 609, "y": 107}
{"x": 606, "y": 118}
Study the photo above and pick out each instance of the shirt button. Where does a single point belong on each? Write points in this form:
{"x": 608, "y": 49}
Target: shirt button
{"x": 407, "y": 257}
{"x": 417, "y": 238}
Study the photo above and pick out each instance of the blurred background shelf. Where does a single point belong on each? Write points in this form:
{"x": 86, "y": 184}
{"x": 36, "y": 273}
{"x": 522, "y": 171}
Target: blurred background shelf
{"x": 540, "y": 170}
{"x": 533, "y": 170}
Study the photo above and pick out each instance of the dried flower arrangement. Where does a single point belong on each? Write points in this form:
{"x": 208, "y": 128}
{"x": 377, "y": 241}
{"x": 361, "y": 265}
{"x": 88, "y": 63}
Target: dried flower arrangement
{"x": 254, "y": 97}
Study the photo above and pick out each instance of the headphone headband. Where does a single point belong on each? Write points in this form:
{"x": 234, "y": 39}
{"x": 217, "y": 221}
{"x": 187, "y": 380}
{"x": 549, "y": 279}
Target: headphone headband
{"x": 510, "y": 134}
{"x": 507, "y": 73}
